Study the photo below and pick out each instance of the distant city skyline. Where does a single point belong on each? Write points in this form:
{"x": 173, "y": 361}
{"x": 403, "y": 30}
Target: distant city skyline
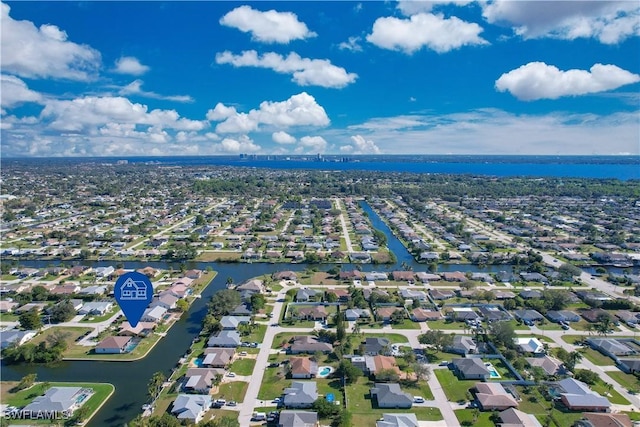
{"x": 346, "y": 78}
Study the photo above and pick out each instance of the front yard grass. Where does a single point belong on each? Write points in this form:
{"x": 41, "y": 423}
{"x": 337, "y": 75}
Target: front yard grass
{"x": 243, "y": 366}
{"x": 628, "y": 381}
{"x": 72, "y": 334}
{"x": 596, "y": 357}
{"x": 232, "y": 391}
{"x": 456, "y": 390}
{"x": 473, "y": 418}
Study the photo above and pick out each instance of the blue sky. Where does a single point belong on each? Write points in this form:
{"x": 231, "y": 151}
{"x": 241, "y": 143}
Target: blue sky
{"x": 410, "y": 77}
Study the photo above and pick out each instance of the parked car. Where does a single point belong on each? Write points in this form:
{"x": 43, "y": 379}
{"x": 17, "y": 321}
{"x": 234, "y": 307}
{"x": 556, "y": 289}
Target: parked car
{"x": 232, "y": 403}
{"x": 418, "y": 399}
{"x": 231, "y": 375}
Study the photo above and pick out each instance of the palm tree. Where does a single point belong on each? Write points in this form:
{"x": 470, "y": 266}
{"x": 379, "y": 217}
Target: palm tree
{"x": 573, "y": 359}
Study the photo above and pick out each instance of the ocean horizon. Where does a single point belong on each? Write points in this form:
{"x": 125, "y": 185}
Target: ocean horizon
{"x": 598, "y": 167}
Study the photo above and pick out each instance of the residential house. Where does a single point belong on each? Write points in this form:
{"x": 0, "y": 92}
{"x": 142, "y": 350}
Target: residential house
{"x": 302, "y": 367}
{"x": 492, "y": 396}
{"x": 630, "y": 366}
{"x": 390, "y": 395}
{"x": 559, "y": 316}
{"x": 385, "y": 313}
{"x": 533, "y": 277}
{"x": 441, "y": 294}
{"x": 492, "y": 313}
{"x": 594, "y": 315}
{"x": 595, "y": 419}
{"x": 253, "y": 286}
{"x": 113, "y": 345}
{"x": 376, "y": 345}
{"x": 142, "y": 329}
{"x": 67, "y": 289}
{"x": 470, "y": 369}
{"x": 549, "y": 365}
{"x": 454, "y": 276}
{"x": 341, "y": 294}
{"x": 217, "y": 357}
{"x": 301, "y": 394}
{"x": 93, "y": 290}
{"x": 306, "y": 294}
{"x": 611, "y": 347}
{"x": 243, "y": 309}
{"x": 56, "y": 399}
{"x": 527, "y": 316}
{"x": 577, "y": 396}
{"x": 290, "y": 418}
{"x": 191, "y": 407}
{"x": 403, "y": 276}
{"x": 529, "y": 345}
{"x": 462, "y": 344}
{"x": 373, "y": 276}
{"x": 15, "y": 337}
{"x": 427, "y": 277}
{"x": 166, "y": 301}
{"x": 96, "y": 308}
{"x": 154, "y": 314}
{"x": 309, "y": 344}
{"x": 377, "y": 363}
{"x": 198, "y": 380}
{"x": 350, "y": 275}
{"x": 423, "y": 315}
{"x": 353, "y": 314}
{"x": 530, "y": 294}
{"x": 285, "y": 275}
{"x": 232, "y": 322}
{"x": 398, "y": 420}
{"x": 7, "y": 306}
{"x": 628, "y": 317}
{"x": 315, "y": 312}
{"x": 226, "y": 338}
{"x": 193, "y": 274}
{"x": 513, "y": 417}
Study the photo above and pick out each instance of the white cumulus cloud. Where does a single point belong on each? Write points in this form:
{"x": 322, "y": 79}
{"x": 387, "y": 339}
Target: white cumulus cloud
{"x": 269, "y": 27}
{"x": 537, "y": 80}
{"x": 434, "y": 32}
{"x": 610, "y": 22}
{"x": 360, "y": 145}
{"x": 305, "y": 71}
{"x": 130, "y": 65}
{"x": 14, "y": 91}
{"x": 240, "y": 145}
{"x": 135, "y": 88}
{"x": 299, "y": 110}
{"x": 352, "y": 44}
{"x": 281, "y": 137}
{"x": 43, "y": 52}
{"x": 313, "y": 144}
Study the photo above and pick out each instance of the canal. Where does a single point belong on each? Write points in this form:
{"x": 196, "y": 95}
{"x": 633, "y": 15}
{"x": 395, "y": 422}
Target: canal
{"x": 130, "y": 378}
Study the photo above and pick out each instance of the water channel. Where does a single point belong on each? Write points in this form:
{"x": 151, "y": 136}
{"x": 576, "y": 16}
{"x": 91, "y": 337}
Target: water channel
{"x": 130, "y": 378}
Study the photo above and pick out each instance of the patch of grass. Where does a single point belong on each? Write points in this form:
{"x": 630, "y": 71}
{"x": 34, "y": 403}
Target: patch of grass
{"x": 243, "y": 366}
{"x": 406, "y": 324}
{"x": 628, "y": 381}
{"x": 474, "y": 418}
{"x": 613, "y": 396}
{"x": 257, "y": 335}
{"x": 96, "y": 319}
{"x": 232, "y": 391}
{"x": 273, "y": 383}
{"x": 455, "y": 389}
{"x": 393, "y": 338}
{"x": 218, "y": 256}
{"x": 596, "y": 357}
{"x": 443, "y": 324}
{"x": 72, "y": 334}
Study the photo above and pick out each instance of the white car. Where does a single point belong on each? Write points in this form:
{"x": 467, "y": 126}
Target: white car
{"x": 231, "y": 375}
{"x": 418, "y": 399}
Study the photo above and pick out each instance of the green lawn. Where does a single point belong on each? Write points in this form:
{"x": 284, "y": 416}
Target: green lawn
{"x": 273, "y": 383}
{"x": 81, "y": 352}
{"x": 364, "y": 413}
{"x": 102, "y": 392}
{"x": 596, "y": 357}
{"x": 613, "y": 396}
{"x": 393, "y": 338}
{"x": 533, "y": 403}
{"x": 243, "y": 366}
{"x": 232, "y": 391}
{"x": 72, "y": 333}
{"x": 443, "y": 324}
{"x": 455, "y": 389}
{"x": 257, "y": 335}
{"x": 628, "y": 381}
{"x": 466, "y": 417}
{"x": 406, "y": 324}
{"x": 96, "y": 319}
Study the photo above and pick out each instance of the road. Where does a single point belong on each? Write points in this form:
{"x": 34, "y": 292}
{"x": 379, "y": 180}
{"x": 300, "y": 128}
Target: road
{"x": 345, "y": 230}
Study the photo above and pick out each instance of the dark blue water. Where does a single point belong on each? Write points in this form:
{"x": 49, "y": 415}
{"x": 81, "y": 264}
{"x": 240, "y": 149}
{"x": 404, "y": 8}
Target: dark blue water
{"x": 617, "y": 167}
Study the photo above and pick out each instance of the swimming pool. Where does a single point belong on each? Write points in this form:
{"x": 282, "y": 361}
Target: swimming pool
{"x": 324, "y": 371}
{"x": 198, "y": 362}
{"x": 493, "y": 373}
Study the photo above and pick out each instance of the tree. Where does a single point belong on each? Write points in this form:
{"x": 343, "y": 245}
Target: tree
{"x": 397, "y": 317}
{"x": 604, "y": 324}
{"x": 155, "y": 385}
{"x": 555, "y": 299}
{"x": 223, "y": 301}
{"x": 30, "y": 320}
{"x": 26, "y": 382}
{"x": 341, "y": 332}
{"x": 586, "y": 376}
{"x": 258, "y": 302}
{"x": 502, "y": 333}
{"x": 62, "y": 312}
{"x": 437, "y": 339}
{"x": 343, "y": 419}
{"x": 182, "y": 305}
{"x": 422, "y": 371}
{"x": 572, "y": 360}
{"x": 221, "y": 421}
{"x": 348, "y": 371}
{"x": 387, "y": 375}
{"x": 568, "y": 271}
{"x": 324, "y": 408}
{"x": 39, "y": 293}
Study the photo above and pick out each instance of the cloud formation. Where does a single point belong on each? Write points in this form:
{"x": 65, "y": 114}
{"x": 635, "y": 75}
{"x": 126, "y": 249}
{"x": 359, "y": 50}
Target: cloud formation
{"x": 537, "y": 80}
{"x": 305, "y": 71}
{"x": 281, "y": 137}
{"x": 313, "y": 144}
{"x": 268, "y": 27}
{"x": 43, "y": 52}
{"x": 135, "y": 88}
{"x": 411, "y": 7}
{"x": 352, "y": 44}
{"x": 360, "y": 145}
{"x": 299, "y": 110}
{"x": 14, "y": 91}
{"x": 609, "y": 22}
{"x": 130, "y": 65}
{"x": 434, "y": 32}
